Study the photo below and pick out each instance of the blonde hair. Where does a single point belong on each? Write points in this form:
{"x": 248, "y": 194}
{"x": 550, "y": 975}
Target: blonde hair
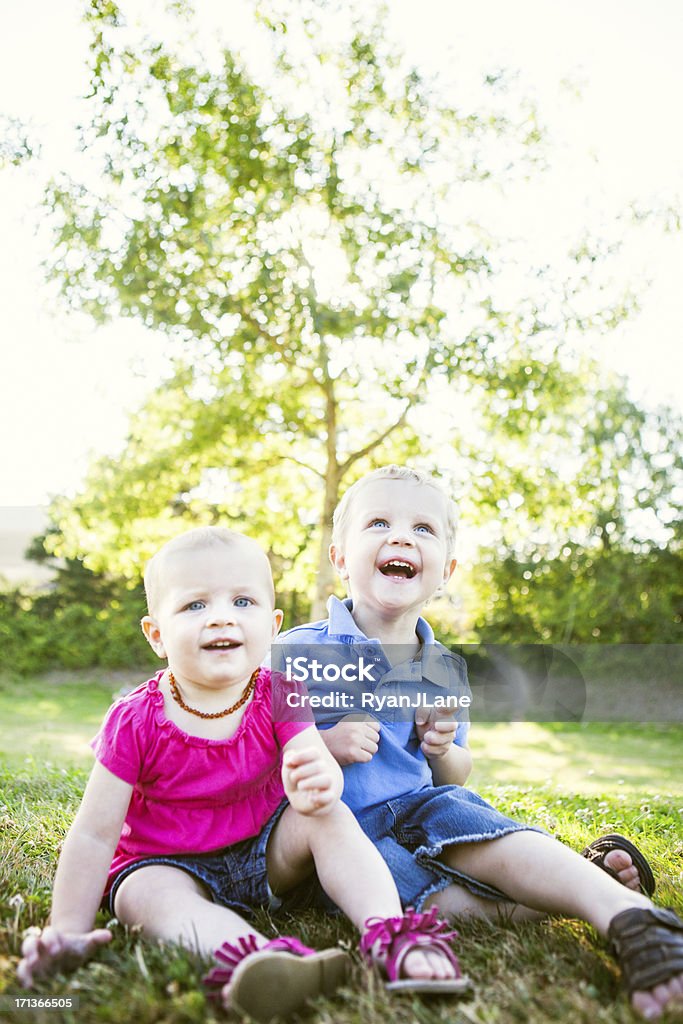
{"x": 341, "y": 513}
{"x": 193, "y": 540}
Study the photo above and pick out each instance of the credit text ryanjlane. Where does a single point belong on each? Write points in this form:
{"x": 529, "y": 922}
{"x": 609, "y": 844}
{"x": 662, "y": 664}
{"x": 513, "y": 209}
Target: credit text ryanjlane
{"x": 377, "y": 702}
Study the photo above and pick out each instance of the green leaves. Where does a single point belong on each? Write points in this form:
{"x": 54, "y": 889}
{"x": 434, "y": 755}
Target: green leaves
{"x": 298, "y": 216}
{"x": 16, "y": 143}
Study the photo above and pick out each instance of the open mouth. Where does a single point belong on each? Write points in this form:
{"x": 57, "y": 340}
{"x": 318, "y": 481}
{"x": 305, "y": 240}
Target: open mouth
{"x": 221, "y": 645}
{"x": 397, "y": 567}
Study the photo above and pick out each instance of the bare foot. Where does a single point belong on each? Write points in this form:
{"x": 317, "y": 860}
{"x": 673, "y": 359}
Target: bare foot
{"x": 428, "y": 963}
{"x": 627, "y": 873}
{"x": 652, "y": 1004}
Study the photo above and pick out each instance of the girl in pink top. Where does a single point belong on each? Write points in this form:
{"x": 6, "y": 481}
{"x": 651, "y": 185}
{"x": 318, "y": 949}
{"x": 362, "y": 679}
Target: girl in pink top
{"x": 203, "y": 805}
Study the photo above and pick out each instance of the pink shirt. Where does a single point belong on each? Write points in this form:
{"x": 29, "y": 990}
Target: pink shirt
{"x": 193, "y": 795}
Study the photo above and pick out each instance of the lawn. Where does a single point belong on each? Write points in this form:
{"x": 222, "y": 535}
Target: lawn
{"x": 577, "y": 781}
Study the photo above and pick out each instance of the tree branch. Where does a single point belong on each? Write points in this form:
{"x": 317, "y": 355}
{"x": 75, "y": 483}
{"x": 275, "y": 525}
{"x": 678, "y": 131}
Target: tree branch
{"x": 304, "y": 465}
{"x": 355, "y": 456}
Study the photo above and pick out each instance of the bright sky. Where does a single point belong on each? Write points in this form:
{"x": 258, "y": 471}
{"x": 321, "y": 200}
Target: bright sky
{"x": 66, "y": 388}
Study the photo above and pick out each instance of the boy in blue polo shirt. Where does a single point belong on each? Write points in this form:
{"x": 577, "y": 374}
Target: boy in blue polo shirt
{"x": 404, "y": 774}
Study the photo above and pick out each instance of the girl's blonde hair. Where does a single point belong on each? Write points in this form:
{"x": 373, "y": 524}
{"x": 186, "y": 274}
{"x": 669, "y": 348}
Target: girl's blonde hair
{"x": 393, "y": 472}
{"x": 192, "y": 540}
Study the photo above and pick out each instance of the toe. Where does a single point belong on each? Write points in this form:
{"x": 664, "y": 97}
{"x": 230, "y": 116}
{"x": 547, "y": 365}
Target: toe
{"x": 427, "y": 963}
{"x": 676, "y": 989}
{"x": 673, "y": 994}
{"x": 646, "y": 1005}
{"x": 620, "y": 862}
{"x": 652, "y": 1004}
{"x": 416, "y": 965}
{"x": 445, "y": 967}
{"x": 435, "y": 964}
{"x": 630, "y": 878}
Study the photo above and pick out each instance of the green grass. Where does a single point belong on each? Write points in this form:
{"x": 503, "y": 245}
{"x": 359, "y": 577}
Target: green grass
{"x": 55, "y": 716}
{"x": 575, "y": 780}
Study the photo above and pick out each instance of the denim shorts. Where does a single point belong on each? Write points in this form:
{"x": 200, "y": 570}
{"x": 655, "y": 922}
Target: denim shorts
{"x": 234, "y": 877}
{"x": 411, "y": 832}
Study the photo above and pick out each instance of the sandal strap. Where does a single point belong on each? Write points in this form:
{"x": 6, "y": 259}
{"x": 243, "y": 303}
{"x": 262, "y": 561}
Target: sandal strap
{"x": 388, "y": 940}
{"x": 596, "y": 852}
{"x": 231, "y": 954}
{"x": 649, "y": 946}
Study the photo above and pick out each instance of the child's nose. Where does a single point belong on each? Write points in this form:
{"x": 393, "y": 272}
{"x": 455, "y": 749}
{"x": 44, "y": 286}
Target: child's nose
{"x": 402, "y": 536}
{"x": 221, "y": 615}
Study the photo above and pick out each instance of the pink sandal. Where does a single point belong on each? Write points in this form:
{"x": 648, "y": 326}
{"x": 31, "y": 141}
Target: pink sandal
{"x": 275, "y": 979}
{"x": 388, "y": 941}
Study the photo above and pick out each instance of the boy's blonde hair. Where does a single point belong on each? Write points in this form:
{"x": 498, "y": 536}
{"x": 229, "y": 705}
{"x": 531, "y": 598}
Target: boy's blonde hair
{"x": 393, "y": 472}
{"x": 193, "y": 540}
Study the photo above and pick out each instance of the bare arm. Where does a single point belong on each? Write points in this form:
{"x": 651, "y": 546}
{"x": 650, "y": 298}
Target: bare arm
{"x": 450, "y": 764}
{"x": 354, "y": 739}
{"x": 80, "y": 879}
{"x": 453, "y": 767}
{"x": 312, "y": 778}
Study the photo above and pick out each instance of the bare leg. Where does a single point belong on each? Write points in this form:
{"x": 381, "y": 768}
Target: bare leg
{"x": 541, "y": 873}
{"x": 172, "y": 906}
{"x": 351, "y": 871}
{"x": 337, "y": 846}
{"x": 457, "y": 901}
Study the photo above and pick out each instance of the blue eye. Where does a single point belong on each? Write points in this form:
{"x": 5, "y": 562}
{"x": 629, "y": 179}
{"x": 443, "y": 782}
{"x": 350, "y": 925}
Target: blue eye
{"x": 379, "y": 522}
{"x": 243, "y": 602}
{"x": 424, "y": 527}
{"x": 194, "y": 606}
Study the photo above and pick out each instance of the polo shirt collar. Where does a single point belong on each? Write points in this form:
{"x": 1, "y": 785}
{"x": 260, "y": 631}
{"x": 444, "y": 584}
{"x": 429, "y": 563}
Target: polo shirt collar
{"x": 342, "y": 627}
{"x": 343, "y": 624}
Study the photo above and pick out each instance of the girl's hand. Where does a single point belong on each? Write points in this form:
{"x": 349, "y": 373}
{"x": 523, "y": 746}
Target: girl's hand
{"x": 307, "y": 780}
{"x": 352, "y": 740}
{"x": 436, "y": 731}
{"x": 47, "y": 951}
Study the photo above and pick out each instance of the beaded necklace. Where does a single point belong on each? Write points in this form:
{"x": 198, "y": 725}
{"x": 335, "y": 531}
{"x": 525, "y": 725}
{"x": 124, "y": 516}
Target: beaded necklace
{"x": 248, "y": 690}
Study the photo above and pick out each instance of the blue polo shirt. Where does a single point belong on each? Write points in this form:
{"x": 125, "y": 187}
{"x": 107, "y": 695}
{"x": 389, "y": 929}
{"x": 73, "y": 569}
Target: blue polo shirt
{"x": 399, "y": 766}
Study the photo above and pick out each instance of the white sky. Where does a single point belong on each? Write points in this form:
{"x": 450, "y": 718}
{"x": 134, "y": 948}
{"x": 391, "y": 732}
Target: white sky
{"x": 66, "y": 387}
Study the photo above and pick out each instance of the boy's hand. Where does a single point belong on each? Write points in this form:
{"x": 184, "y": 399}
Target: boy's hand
{"x": 307, "y": 780}
{"x": 49, "y": 950}
{"x": 436, "y": 729}
{"x": 352, "y": 739}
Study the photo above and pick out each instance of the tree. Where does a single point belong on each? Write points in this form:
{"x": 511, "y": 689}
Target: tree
{"x": 587, "y": 541}
{"x": 297, "y": 226}
{"x": 16, "y": 144}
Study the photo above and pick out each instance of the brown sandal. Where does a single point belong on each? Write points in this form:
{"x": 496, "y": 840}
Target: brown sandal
{"x": 599, "y": 848}
{"x": 648, "y": 945}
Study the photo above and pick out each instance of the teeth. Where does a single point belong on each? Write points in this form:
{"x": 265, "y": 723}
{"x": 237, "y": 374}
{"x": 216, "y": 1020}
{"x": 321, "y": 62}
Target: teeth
{"x": 398, "y": 565}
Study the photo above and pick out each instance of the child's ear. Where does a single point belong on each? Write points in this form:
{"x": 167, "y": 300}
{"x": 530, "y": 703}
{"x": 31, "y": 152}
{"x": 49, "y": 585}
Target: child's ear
{"x": 449, "y": 570}
{"x": 278, "y": 616}
{"x": 338, "y": 561}
{"x": 153, "y": 635}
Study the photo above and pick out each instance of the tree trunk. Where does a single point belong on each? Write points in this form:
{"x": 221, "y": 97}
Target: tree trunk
{"x": 324, "y": 585}
{"x": 325, "y": 576}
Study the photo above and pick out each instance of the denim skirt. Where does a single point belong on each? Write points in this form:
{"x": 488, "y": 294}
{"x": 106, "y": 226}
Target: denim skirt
{"x": 234, "y": 877}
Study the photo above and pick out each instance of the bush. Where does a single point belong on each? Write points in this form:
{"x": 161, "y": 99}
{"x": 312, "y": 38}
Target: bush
{"x": 53, "y": 630}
